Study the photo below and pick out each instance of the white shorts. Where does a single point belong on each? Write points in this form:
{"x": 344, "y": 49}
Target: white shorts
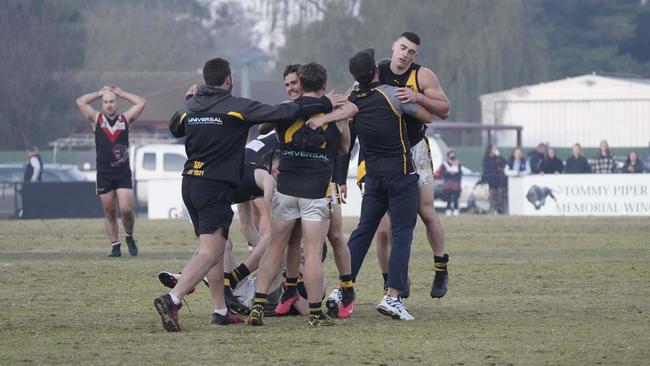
{"x": 334, "y": 194}
{"x": 285, "y": 207}
{"x": 421, "y": 154}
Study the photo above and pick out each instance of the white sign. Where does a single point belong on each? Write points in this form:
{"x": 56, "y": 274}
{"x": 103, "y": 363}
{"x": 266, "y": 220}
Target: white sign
{"x": 580, "y": 195}
{"x": 165, "y": 199}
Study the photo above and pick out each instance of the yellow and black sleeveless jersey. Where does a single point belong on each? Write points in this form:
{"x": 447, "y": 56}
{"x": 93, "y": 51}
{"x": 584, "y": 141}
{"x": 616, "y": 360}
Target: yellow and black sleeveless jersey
{"x": 381, "y": 129}
{"x": 416, "y": 129}
{"x": 306, "y": 156}
{"x": 216, "y": 124}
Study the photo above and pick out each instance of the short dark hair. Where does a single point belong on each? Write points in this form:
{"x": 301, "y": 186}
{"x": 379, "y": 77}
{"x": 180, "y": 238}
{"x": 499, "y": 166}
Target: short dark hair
{"x": 312, "y": 77}
{"x": 411, "y": 37}
{"x": 215, "y": 71}
{"x": 290, "y": 69}
{"x": 362, "y": 66}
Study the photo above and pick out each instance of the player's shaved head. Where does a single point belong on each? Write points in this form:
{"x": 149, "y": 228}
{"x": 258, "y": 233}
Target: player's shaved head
{"x": 109, "y": 103}
{"x": 109, "y": 95}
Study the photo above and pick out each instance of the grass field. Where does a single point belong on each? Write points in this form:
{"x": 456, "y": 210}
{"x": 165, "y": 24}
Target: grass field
{"x": 568, "y": 291}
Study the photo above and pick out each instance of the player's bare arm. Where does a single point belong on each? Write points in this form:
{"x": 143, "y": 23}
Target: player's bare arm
{"x": 343, "y": 113}
{"x": 337, "y": 100}
{"x": 422, "y": 114}
{"x": 85, "y": 107}
{"x": 432, "y": 97}
{"x": 344, "y": 141}
{"x": 138, "y": 103}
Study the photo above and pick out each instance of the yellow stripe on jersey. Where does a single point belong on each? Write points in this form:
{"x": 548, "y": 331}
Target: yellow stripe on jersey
{"x": 182, "y": 118}
{"x": 399, "y": 117}
{"x": 412, "y": 81}
{"x": 401, "y": 139}
{"x": 288, "y": 136}
{"x": 236, "y": 114}
{"x": 361, "y": 172}
{"x": 389, "y": 102}
{"x": 324, "y": 128}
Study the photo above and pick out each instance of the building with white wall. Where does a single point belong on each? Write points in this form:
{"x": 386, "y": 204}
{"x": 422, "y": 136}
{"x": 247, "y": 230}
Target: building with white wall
{"x": 584, "y": 109}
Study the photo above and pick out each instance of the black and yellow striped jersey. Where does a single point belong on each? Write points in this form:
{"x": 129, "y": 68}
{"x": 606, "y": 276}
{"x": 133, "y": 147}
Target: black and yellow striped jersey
{"x": 216, "y": 124}
{"x": 306, "y": 156}
{"x": 409, "y": 79}
{"x": 381, "y": 129}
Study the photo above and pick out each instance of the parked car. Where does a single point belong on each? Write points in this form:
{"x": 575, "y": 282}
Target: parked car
{"x": 11, "y": 178}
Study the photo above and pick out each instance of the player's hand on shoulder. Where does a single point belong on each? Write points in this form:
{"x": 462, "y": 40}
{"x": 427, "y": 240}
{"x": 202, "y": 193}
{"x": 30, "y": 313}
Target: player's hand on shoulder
{"x": 315, "y": 122}
{"x": 407, "y": 95}
{"x": 337, "y": 100}
{"x": 192, "y": 90}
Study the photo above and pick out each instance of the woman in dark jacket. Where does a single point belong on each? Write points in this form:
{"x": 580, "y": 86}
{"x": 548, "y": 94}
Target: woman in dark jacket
{"x": 494, "y": 176}
{"x": 552, "y": 164}
{"x": 633, "y": 164}
{"x": 576, "y": 163}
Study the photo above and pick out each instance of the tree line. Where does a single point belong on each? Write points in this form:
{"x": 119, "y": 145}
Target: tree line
{"x": 475, "y": 46}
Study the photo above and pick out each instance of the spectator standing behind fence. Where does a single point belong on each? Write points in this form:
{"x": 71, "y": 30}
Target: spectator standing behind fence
{"x": 451, "y": 173}
{"x": 536, "y": 158}
{"x": 633, "y": 164}
{"x": 517, "y": 165}
{"x": 552, "y": 164}
{"x": 576, "y": 163}
{"x": 34, "y": 165}
{"x": 494, "y": 176}
{"x": 604, "y": 162}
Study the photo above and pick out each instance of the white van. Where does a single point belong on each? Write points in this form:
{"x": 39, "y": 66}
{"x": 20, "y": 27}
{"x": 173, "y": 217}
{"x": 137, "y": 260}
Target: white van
{"x": 148, "y": 162}
{"x": 155, "y": 162}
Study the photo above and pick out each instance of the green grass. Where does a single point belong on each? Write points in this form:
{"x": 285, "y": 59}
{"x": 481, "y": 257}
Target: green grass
{"x": 523, "y": 291}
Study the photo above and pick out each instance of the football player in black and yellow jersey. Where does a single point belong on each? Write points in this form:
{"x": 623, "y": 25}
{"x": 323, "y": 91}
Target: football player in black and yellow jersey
{"x": 337, "y": 192}
{"x": 215, "y": 124}
{"x": 307, "y": 152}
{"x": 391, "y": 181}
{"x": 419, "y": 84}
{"x": 111, "y": 131}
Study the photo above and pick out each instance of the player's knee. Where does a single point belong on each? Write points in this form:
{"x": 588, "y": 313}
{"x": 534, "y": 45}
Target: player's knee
{"x": 109, "y": 213}
{"x": 127, "y": 213}
{"x": 382, "y": 238}
{"x": 336, "y": 239}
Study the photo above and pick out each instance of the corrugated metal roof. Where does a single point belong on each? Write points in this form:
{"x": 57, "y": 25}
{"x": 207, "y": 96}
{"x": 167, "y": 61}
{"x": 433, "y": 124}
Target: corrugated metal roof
{"x": 593, "y": 81}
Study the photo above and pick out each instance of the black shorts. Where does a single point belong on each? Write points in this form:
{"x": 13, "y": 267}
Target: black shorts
{"x": 107, "y": 182}
{"x": 208, "y": 203}
{"x": 248, "y": 188}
